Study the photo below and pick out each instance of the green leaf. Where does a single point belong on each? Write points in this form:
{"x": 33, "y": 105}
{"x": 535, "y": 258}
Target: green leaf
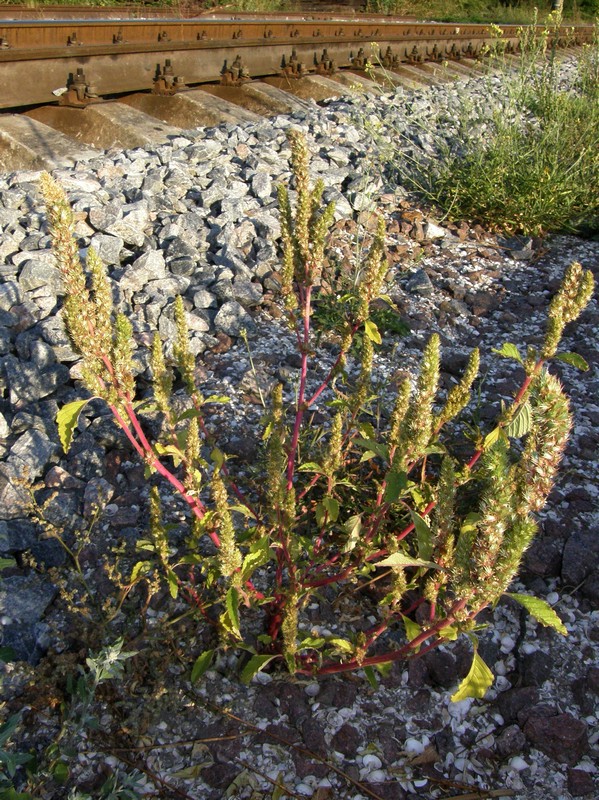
{"x": 7, "y": 654}
{"x": 60, "y": 772}
{"x": 312, "y": 642}
{"x": 217, "y": 398}
{"x": 217, "y": 457}
{"x": 491, "y": 438}
{"x": 139, "y": 569}
{"x": 373, "y": 333}
{"x": 66, "y": 420}
{"x": 396, "y": 483}
{"x": 232, "y": 605}
{"x": 508, "y": 350}
{"x": 255, "y": 664}
{"x": 173, "y": 583}
{"x": 573, "y": 359}
{"x": 540, "y": 610}
{"x": 5, "y": 563}
{"x": 367, "y": 455}
{"x": 521, "y": 422}
{"x": 370, "y": 444}
{"x": 170, "y": 450}
{"x": 310, "y": 466}
{"x": 424, "y": 536}
{"x": 259, "y": 554}
{"x": 400, "y": 560}
{"x": 366, "y": 429}
{"x": 384, "y": 668}
{"x": 201, "y": 665}
{"x": 413, "y": 630}
{"x": 371, "y": 677}
{"x": 332, "y": 507}
{"x": 476, "y": 682}
{"x": 450, "y": 633}
{"x": 353, "y": 528}
{"x": 341, "y": 644}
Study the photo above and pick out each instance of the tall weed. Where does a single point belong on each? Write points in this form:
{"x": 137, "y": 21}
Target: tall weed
{"x": 536, "y": 168}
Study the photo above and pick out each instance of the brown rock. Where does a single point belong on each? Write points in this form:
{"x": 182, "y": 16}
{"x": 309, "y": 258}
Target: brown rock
{"x": 347, "y": 740}
{"x": 561, "y": 737}
{"x": 580, "y": 783}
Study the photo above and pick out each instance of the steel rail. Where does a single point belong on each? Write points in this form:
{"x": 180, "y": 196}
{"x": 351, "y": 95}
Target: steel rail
{"x": 39, "y": 59}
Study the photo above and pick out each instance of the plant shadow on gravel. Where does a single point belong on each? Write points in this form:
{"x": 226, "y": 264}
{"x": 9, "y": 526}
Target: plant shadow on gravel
{"x": 370, "y": 522}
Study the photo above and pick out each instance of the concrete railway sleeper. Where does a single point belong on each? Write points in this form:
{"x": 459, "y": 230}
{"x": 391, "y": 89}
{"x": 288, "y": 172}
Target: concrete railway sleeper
{"x": 174, "y": 75}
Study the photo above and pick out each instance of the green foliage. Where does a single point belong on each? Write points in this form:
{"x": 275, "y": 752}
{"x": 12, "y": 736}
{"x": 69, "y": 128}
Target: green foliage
{"x": 374, "y": 495}
{"x": 537, "y": 167}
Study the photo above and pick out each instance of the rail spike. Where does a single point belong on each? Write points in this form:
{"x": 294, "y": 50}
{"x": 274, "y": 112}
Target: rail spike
{"x": 234, "y": 75}
{"x": 292, "y": 67}
{"x": 166, "y": 83}
{"x": 326, "y": 65}
{"x": 79, "y": 93}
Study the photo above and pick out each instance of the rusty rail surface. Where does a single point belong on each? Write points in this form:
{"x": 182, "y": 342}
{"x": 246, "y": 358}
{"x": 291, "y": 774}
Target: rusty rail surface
{"x": 39, "y": 58}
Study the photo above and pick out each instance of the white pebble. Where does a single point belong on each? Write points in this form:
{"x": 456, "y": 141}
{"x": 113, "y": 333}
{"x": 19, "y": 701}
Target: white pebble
{"x": 372, "y": 761}
{"x": 517, "y": 763}
{"x": 413, "y": 746}
{"x": 303, "y": 788}
{"x": 552, "y": 598}
{"x": 529, "y": 648}
{"x": 507, "y": 644}
{"x": 262, "y": 678}
{"x": 312, "y": 689}
{"x": 377, "y": 776}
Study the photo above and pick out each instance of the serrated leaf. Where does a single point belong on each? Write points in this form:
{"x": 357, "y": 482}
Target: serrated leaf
{"x": 476, "y": 682}
{"x": 255, "y": 664}
{"x": 396, "y": 482}
{"x": 400, "y": 560}
{"x": 540, "y": 610}
{"x": 573, "y": 359}
{"x": 509, "y": 350}
{"x": 201, "y": 665}
{"x": 67, "y": 419}
{"x": 521, "y": 423}
{"x": 413, "y": 630}
{"x": 371, "y": 330}
{"x": 371, "y": 677}
{"x": 424, "y": 536}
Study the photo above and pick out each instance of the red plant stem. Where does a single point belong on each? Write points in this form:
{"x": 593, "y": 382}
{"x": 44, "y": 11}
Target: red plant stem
{"x": 301, "y": 404}
{"x": 394, "y": 655}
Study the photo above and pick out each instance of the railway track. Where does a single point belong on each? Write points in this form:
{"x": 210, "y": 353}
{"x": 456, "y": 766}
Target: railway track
{"x": 171, "y": 74}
